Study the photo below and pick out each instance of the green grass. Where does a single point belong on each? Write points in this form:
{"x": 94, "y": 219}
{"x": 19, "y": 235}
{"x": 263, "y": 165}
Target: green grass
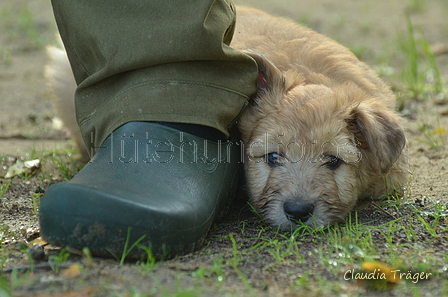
{"x": 61, "y": 163}
{"x": 128, "y": 249}
{"x": 5, "y": 57}
{"x": 5, "y": 289}
{"x": 416, "y": 6}
{"x": 435, "y": 138}
{"x": 3, "y": 189}
{"x": 234, "y": 263}
{"x": 434, "y": 217}
{"x": 56, "y": 164}
{"x": 57, "y": 260}
{"x": 420, "y": 74}
{"x": 335, "y": 250}
{"x": 20, "y": 24}
{"x": 432, "y": 72}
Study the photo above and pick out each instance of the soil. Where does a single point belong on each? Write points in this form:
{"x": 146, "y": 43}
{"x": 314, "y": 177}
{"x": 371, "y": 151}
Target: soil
{"x": 371, "y": 28}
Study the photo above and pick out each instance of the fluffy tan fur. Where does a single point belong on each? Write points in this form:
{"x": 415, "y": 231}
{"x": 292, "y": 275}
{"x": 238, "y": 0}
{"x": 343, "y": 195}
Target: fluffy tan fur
{"x": 61, "y": 85}
{"x": 322, "y": 135}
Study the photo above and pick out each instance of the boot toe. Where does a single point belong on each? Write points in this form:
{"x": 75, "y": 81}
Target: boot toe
{"x": 168, "y": 206}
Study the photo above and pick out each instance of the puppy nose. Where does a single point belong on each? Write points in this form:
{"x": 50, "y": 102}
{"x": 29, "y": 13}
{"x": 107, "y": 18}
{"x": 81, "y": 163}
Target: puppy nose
{"x": 296, "y": 211}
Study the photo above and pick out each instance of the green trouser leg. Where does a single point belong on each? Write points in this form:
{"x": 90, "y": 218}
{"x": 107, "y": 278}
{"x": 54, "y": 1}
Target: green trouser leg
{"x": 141, "y": 60}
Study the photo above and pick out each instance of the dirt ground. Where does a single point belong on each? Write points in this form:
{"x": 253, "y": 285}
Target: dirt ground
{"x": 372, "y": 29}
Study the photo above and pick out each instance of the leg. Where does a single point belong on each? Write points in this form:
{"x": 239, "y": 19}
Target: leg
{"x": 154, "y": 61}
{"x": 136, "y": 64}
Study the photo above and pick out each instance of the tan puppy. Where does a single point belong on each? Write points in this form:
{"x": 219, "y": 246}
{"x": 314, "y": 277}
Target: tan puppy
{"x": 322, "y": 135}
{"x": 62, "y": 86}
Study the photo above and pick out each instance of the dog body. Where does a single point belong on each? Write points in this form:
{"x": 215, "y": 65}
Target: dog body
{"x": 321, "y": 136}
{"x": 62, "y": 86}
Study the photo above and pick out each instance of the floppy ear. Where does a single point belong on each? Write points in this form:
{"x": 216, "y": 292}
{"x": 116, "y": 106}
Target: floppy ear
{"x": 269, "y": 76}
{"x": 380, "y": 137}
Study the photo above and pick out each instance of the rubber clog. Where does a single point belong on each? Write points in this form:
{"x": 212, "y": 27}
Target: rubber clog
{"x": 148, "y": 183}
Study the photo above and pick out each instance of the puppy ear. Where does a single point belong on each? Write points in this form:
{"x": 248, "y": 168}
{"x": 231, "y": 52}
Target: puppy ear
{"x": 381, "y": 139}
{"x": 269, "y": 76}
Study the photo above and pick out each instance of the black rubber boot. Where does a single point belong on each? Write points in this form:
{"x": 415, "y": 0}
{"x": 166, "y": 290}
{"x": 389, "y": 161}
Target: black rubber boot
{"x": 147, "y": 181}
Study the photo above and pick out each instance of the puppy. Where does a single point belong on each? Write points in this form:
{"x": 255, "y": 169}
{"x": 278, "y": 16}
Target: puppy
{"x": 321, "y": 136}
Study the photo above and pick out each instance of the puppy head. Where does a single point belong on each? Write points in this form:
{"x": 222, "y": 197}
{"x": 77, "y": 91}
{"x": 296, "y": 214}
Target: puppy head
{"x": 311, "y": 150}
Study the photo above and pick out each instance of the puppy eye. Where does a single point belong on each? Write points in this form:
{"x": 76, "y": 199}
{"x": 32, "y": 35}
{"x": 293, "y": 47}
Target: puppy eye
{"x": 273, "y": 159}
{"x": 333, "y": 162}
